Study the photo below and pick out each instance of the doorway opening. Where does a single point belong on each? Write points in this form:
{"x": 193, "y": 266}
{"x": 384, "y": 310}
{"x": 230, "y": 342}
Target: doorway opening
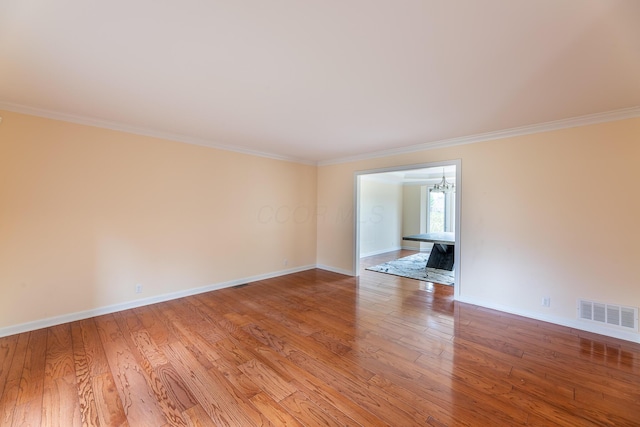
{"x": 404, "y": 201}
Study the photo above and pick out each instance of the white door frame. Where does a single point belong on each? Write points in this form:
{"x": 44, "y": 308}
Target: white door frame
{"x": 356, "y": 209}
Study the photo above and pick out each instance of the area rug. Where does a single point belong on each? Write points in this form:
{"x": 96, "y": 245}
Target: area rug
{"x": 413, "y": 267}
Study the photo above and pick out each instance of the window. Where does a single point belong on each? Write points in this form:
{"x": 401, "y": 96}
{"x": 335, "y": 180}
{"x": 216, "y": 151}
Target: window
{"x": 441, "y": 208}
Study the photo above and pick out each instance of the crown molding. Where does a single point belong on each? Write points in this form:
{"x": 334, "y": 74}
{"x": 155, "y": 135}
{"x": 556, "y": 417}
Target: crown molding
{"x": 88, "y": 121}
{"x": 608, "y": 116}
{"x": 590, "y": 119}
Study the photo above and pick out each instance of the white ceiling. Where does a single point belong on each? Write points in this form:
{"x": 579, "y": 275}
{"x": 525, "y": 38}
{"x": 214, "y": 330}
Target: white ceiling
{"x": 420, "y": 176}
{"x": 319, "y": 80}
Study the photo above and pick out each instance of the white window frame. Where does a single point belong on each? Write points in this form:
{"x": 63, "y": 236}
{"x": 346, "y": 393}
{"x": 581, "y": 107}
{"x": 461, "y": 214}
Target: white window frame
{"x": 449, "y": 210}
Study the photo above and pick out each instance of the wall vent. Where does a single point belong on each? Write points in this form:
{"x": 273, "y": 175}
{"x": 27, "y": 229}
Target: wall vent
{"x": 609, "y": 314}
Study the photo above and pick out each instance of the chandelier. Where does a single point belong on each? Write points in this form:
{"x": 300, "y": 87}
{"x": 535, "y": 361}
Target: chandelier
{"x": 444, "y": 186}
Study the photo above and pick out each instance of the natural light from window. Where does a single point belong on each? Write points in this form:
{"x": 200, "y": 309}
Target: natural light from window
{"x": 441, "y": 212}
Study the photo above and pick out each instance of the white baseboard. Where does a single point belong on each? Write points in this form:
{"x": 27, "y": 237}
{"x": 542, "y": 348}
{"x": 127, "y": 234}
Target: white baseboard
{"x": 71, "y": 317}
{"x": 412, "y": 248}
{"x": 381, "y": 251}
{"x": 335, "y": 270}
{"x": 99, "y": 311}
{"x": 562, "y": 321}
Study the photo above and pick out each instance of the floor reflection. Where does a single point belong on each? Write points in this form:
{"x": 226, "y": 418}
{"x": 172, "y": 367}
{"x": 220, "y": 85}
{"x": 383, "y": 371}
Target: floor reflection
{"x": 469, "y": 365}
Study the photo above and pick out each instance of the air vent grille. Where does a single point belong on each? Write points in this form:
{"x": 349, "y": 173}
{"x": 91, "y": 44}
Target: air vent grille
{"x": 610, "y": 314}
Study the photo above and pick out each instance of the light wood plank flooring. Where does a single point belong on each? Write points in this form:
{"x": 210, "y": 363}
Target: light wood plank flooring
{"x": 318, "y": 349}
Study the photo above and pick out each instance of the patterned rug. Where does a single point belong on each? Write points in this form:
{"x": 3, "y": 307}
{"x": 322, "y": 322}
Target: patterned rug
{"x": 413, "y": 267}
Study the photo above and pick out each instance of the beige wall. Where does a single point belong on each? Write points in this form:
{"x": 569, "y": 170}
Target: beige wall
{"x": 550, "y": 214}
{"x": 87, "y": 213}
{"x": 414, "y": 215}
{"x": 380, "y": 216}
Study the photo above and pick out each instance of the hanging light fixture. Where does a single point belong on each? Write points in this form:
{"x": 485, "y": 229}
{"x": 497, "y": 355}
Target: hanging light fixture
{"x": 444, "y": 186}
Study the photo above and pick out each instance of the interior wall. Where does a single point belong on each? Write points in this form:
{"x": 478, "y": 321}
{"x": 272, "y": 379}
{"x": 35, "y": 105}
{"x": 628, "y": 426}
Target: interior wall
{"x": 552, "y": 214}
{"x": 413, "y": 214}
{"x": 380, "y": 216}
{"x": 88, "y": 213}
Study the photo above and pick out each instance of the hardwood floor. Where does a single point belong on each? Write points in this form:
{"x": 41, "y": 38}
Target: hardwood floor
{"x": 318, "y": 348}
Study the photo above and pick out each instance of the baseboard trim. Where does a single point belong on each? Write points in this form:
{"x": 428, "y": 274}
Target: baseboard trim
{"x": 381, "y": 251}
{"x": 72, "y": 317}
{"x": 411, "y": 248}
{"x": 562, "y": 321}
{"x": 99, "y": 311}
{"x": 335, "y": 270}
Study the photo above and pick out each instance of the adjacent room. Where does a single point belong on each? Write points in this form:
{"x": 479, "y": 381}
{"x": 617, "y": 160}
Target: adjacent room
{"x": 205, "y": 208}
{"x": 413, "y": 209}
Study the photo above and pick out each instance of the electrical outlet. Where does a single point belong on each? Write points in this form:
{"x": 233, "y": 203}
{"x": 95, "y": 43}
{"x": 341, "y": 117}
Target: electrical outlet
{"x": 546, "y": 301}
{"x": 285, "y": 262}
{"x": 138, "y": 288}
